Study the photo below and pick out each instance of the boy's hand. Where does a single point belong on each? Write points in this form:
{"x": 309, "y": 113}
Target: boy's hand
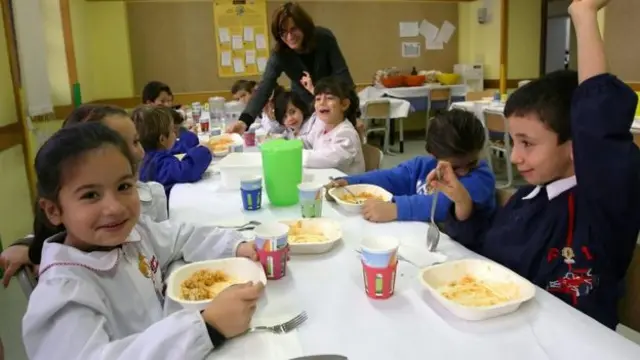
{"x": 379, "y": 211}
{"x": 447, "y": 182}
{"x": 11, "y": 259}
{"x": 333, "y": 184}
{"x": 247, "y": 250}
{"x": 592, "y": 5}
{"x": 231, "y": 311}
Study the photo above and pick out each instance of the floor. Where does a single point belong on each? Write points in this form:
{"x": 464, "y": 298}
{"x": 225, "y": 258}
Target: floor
{"x": 13, "y": 302}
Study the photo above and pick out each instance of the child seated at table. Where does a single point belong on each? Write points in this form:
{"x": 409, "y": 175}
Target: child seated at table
{"x": 157, "y": 136}
{"x": 157, "y": 93}
{"x": 185, "y": 139}
{"x": 153, "y": 200}
{"x": 242, "y": 90}
{"x": 294, "y": 114}
{"x": 100, "y": 294}
{"x": 456, "y": 136}
{"x": 335, "y": 143}
{"x": 574, "y": 229}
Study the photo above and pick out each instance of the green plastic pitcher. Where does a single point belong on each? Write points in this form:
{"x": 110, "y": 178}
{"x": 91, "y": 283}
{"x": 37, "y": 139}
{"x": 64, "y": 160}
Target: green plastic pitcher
{"x": 282, "y": 167}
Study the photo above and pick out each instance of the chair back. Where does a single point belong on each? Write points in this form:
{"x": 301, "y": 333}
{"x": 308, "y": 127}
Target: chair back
{"x": 495, "y": 122}
{"x": 503, "y": 195}
{"x": 372, "y": 157}
{"x": 629, "y": 306}
{"x": 440, "y": 94}
{"x": 479, "y": 95}
{"x": 377, "y": 109}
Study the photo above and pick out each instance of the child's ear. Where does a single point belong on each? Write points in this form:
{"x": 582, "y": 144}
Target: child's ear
{"x": 345, "y": 103}
{"x": 51, "y": 210}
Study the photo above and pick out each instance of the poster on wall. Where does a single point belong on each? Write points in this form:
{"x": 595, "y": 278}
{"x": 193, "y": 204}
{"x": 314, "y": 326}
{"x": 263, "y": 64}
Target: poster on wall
{"x": 242, "y": 37}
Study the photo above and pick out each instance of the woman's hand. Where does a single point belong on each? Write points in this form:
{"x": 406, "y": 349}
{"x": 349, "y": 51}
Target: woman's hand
{"x": 231, "y": 311}
{"x": 238, "y": 127}
{"x": 12, "y": 259}
{"x": 247, "y": 250}
{"x": 306, "y": 82}
{"x": 444, "y": 179}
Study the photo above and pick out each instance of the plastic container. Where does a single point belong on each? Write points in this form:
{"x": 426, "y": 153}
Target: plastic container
{"x": 237, "y": 166}
{"x": 282, "y": 167}
{"x": 339, "y": 192}
{"x": 434, "y": 277}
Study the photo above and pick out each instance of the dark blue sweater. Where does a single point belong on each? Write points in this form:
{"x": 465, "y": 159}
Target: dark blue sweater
{"x": 407, "y": 184}
{"x": 163, "y": 167}
{"x": 185, "y": 141}
{"x": 584, "y": 265}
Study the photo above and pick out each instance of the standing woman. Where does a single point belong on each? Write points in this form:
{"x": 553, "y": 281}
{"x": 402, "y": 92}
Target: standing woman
{"x": 304, "y": 52}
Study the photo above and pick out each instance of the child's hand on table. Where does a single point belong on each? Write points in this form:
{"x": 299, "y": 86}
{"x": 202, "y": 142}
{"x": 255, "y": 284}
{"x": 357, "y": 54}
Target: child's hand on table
{"x": 12, "y": 259}
{"x": 247, "y": 250}
{"x": 231, "y": 311}
{"x": 379, "y": 211}
{"x": 447, "y": 182}
{"x": 333, "y": 184}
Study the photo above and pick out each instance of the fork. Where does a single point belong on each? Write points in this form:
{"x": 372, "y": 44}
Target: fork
{"x": 246, "y": 226}
{"x": 284, "y": 327}
{"x": 358, "y": 201}
{"x": 433, "y": 233}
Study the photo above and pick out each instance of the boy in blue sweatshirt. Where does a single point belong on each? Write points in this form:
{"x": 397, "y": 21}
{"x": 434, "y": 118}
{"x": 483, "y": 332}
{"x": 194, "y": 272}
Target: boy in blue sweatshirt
{"x": 185, "y": 139}
{"x": 573, "y": 230}
{"x": 456, "y": 136}
{"x": 157, "y": 136}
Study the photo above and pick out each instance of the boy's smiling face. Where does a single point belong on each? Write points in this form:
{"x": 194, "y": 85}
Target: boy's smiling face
{"x": 536, "y": 152}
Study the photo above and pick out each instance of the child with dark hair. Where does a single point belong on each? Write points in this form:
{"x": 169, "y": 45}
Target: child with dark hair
{"x": 153, "y": 199}
{"x": 267, "y": 120}
{"x": 572, "y": 231}
{"x": 334, "y": 142}
{"x": 242, "y": 90}
{"x": 157, "y": 93}
{"x": 455, "y": 136}
{"x": 294, "y": 114}
{"x": 157, "y": 136}
{"x": 185, "y": 139}
{"x": 105, "y": 262}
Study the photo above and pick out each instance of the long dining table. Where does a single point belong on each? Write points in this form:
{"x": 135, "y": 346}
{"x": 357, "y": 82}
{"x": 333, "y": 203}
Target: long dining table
{"x": 411, "y": 324}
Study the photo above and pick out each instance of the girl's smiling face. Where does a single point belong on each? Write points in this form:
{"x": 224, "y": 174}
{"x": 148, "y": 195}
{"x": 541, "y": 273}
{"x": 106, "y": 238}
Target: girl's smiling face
{"x": 98, "y": 202}
{"x": 330, "y": 108}
{"x": 293, "y": 118}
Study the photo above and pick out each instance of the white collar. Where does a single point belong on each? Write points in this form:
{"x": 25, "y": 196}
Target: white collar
{"x": 554, "y": 188}
{"x": 55, "y": 253}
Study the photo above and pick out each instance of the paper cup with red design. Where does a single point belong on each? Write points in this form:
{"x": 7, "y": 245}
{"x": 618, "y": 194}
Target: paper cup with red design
{"x": 379, "y": 256}
{"x": 272, "y": 247}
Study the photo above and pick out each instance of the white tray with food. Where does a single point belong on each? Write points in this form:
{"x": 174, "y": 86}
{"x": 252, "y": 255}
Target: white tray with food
{"x": 475, "y": 289}
{"x": 348, "y": 197}
{"x": 194, "y": 285}
{"x": 312, "y": 236}
{"x": 221, "y": 145}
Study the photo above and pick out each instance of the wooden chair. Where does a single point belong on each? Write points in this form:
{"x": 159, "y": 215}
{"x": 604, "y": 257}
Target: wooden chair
{"x": 503, "y": 195}
{"x": 372, "y": 157}
{"x": 636, "y": 138}
{"x": 435, "y": 95}
{"x": 377, "y": 110}
{"x": 497, "y": 123}
{"x": 479, "y": 95}
{"x": 629, "y": 307}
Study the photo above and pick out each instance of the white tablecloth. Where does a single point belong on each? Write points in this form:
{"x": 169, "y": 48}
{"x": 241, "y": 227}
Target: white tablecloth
{"x": 411, "y": 92}
{"x": 410, "y": 325}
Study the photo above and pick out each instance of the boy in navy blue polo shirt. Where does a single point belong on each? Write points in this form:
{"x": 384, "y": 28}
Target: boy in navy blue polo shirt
{"x": 573, "y": 230}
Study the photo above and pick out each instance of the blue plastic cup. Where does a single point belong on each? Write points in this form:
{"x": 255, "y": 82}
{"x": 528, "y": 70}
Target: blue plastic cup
{"x": 251, "y": 191}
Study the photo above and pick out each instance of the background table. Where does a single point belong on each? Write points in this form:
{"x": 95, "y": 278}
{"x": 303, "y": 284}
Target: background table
{"x": 411, "y": 324}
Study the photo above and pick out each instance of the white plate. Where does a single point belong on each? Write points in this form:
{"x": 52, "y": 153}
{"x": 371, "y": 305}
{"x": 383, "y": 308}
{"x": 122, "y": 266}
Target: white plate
{"x": 330, "y": 228}
{"x": 434, "y": 277}
{"x": 336, "y": 193}
{"x": 242, "y": 269}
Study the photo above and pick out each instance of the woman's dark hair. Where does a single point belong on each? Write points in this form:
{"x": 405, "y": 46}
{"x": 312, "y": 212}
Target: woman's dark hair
{"x": 243, "y": 85}
{"x": 455, "y": 133}
{"x": 548, "y": 98}
{"x": 334, "y": 86}
{"x": 92, "y": 113}
{"x": 153, "y": 89}
{"x": 301, "y": 19}
{"x": 283, "y": 100}
{"x": 60, "y": 151}
{"x": 152, "y": 122}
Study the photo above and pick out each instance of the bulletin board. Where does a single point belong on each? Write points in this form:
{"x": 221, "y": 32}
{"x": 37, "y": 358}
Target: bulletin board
{"x": 175, "y": 41}
{"x": 242, "y": 37}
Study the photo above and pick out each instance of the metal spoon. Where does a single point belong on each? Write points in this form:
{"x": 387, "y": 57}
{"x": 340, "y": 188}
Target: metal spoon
{"x": 433, "y": 233}
{"x": 358, "y": 201}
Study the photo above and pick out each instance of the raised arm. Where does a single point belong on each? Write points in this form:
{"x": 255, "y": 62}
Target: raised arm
{"x": 591, "y": 59}
{"x": 261, "y": 96}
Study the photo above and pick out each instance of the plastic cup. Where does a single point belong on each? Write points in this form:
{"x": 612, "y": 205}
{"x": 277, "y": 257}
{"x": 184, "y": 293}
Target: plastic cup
{"x": 216, "y": 132}
{"x": 379, "y": 264}
{"x": 251, "y": 191}
{"x": 272, "y": 247}
{"x": 310, "y": 195}
{"x": 249, "y": 138}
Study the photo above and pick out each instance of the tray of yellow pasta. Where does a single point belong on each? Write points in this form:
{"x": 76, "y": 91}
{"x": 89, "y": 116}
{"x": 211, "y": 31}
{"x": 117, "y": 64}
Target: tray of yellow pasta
{"x": 312, "y": 236}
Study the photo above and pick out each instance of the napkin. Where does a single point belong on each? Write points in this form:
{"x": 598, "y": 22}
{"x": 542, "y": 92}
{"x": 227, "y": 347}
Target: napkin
{"x": 420, "y": 256}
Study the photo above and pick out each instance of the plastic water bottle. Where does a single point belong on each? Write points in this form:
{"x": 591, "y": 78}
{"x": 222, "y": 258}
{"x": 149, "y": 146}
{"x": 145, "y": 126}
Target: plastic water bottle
{"x": 215, "y": 119}
{"x": 497, "y": 98}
